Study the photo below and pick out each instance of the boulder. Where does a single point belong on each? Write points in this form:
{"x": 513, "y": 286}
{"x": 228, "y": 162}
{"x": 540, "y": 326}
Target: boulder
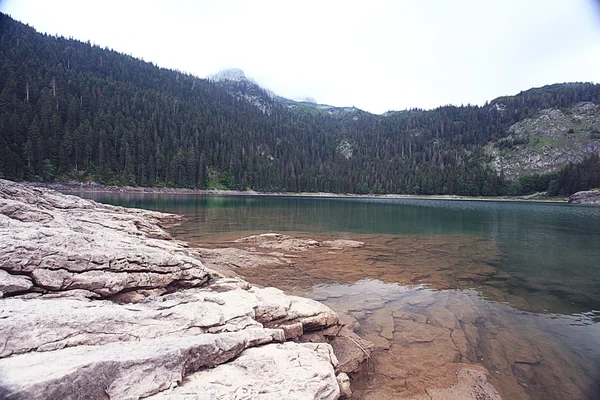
{"x": 585, "y": 197}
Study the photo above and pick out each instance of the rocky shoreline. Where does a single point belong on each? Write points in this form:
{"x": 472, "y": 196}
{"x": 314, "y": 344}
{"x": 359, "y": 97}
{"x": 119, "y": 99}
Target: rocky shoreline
{"x": 92, "y": 187}
{"x": 106, "y": 292}
{"x": 100, "y": 302}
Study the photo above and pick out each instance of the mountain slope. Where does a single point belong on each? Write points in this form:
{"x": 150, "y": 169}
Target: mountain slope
{"x": 69, "y": 110}
{"x": 548, "y": 142}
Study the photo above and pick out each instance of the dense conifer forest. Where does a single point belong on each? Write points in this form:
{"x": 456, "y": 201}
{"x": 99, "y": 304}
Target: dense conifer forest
{"x": 72, "y": 110}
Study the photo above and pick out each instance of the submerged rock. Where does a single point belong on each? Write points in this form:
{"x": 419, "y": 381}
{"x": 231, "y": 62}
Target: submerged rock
{"x": 342, "y": 243}
{"x": 472, "y": 385}
{"x": 289, "y": 243}
{"x": 279, "y": 241}
{"x": 100, "y": 302}
{"x": 237, "y": 258}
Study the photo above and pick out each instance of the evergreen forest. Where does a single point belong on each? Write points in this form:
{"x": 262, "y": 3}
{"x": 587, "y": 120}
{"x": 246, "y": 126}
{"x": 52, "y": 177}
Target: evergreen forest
{"x": 71, "y": 110}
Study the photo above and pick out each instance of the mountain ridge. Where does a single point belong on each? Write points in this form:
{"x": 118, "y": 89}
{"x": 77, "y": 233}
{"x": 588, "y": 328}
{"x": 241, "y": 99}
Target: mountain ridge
{"x": 231, "y": 77}
{"x": 70, "y": 110}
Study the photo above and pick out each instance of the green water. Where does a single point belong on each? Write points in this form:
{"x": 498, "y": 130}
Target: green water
{"x": 550, "y": 249}
{"x": 550, "y": 252}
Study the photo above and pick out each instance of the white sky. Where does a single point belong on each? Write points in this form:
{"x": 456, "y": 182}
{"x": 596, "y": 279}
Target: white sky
{"x": 373, "y": 54}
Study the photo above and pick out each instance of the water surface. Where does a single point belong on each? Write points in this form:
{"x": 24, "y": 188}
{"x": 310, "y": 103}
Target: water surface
{"x": 514, "y": 286}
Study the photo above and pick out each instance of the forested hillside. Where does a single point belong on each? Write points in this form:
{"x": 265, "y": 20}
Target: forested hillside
{"x": 70, "y": 110}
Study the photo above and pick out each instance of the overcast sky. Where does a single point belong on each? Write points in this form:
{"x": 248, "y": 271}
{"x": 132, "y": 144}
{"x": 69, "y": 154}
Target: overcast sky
{"x": 375, "y": 55}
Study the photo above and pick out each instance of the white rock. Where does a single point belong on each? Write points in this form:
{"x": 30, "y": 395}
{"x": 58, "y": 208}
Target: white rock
{"x": 120, "y": 370}
{"x": 14, "y": 283}
{"x": 64, "y": 242}
{"x": 294, "y": 371}
{"x": 68, "y": 265}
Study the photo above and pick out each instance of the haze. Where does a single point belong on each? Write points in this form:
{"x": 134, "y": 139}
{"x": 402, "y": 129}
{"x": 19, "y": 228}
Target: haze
{"x": 375, "y": 55}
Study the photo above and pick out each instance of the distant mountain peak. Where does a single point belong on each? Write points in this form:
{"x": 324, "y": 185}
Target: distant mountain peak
{"x": 229, "y": 74}
{"x": 307, "y": 99}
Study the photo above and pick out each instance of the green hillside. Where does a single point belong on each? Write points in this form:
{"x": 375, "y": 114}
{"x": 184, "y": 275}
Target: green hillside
{"x": 70, "y": 110}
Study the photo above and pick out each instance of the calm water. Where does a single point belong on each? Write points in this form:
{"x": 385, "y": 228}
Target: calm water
{"x": 547, "y": 256}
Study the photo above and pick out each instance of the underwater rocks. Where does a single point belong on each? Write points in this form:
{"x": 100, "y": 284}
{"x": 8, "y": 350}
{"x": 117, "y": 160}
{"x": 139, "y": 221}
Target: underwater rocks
{"x": 289, "y": 243}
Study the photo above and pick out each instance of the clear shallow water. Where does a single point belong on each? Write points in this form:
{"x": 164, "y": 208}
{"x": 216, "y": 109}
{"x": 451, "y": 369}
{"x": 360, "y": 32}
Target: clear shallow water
{"x": 549, "y": 249}
{"x": 544, "y": 286}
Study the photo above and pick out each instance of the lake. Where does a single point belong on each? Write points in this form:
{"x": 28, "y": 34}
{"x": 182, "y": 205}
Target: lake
{"x": 513, "y": 286}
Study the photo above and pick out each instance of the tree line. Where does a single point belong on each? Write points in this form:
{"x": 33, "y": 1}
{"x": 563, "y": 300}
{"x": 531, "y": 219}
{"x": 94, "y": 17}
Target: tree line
{"x": 72, "y": 110}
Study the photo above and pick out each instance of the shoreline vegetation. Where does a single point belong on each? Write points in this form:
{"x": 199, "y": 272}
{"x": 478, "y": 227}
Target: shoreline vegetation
{"x": 92, "y": 187}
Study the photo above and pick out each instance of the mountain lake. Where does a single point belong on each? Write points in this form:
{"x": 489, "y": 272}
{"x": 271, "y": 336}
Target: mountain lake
{"x": 512, "y": 286}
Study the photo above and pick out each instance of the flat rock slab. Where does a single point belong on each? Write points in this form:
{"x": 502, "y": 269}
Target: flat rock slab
{"x": 233, "y": 258}
{"x": 298, "y": 371}
{"x": 41, "y": 324}
{"x": 121, "y": 370}
{"x": 61, "y": 242}
{"x": 279, "y": 241}
{"x": 342, "y": 244}
{"x": 289, "y": 243}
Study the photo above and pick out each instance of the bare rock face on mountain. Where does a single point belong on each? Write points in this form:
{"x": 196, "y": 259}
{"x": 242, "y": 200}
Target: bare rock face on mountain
{"x": 229, "y": 74}
{"x": 547, "y": 142}
{"x": 100, "y": 302}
